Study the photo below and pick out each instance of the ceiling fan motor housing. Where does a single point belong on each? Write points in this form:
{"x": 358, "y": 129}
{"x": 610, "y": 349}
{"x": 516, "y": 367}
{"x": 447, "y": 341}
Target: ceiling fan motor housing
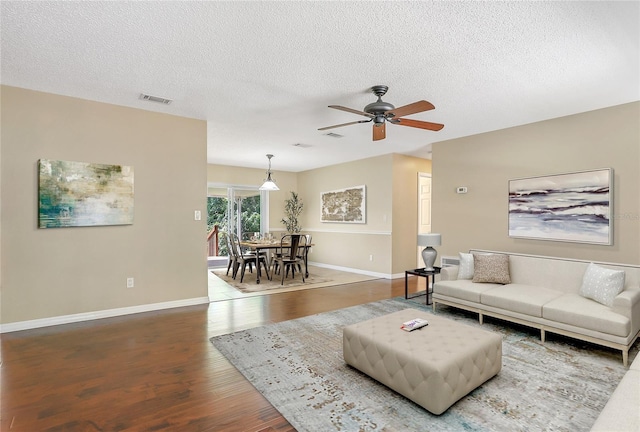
{"x": 378, "y": 107}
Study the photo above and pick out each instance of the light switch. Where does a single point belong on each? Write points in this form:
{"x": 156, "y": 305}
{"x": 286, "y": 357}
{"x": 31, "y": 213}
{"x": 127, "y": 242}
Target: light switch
{"x": 197, "y": 215}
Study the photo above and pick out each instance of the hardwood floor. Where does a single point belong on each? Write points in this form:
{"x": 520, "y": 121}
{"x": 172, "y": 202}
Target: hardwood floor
{"x": 155, "y": 371}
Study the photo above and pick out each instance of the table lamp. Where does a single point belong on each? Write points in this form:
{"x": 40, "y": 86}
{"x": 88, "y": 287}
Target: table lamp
{"x": 429, "y": 254}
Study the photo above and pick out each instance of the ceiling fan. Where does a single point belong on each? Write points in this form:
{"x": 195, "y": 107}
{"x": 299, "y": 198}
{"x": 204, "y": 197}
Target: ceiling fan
{"x": 381, "y": 112}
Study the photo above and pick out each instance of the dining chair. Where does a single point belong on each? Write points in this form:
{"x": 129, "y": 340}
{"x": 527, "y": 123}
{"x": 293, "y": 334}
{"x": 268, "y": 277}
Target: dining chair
{"x": 277, "y": 236}
{"x": 232, "y": 257}
{"x": 246, "y": 259}
{"x": 239, "y": 255}
{"x": 287, "y": 255}
{"x": 304, "y": 253}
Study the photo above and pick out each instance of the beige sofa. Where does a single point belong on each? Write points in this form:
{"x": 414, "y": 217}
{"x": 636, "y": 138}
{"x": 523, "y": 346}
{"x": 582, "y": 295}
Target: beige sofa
{"x": 548, "y": 294}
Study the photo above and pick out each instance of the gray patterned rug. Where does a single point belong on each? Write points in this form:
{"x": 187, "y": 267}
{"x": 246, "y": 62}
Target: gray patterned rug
{"x": 561, "y": 385}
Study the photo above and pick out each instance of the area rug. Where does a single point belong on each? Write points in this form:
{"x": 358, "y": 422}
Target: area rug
{"x": 561, "y": 385}
{"x": 318, "y": 277}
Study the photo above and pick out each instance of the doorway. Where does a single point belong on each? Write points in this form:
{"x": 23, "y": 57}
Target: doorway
{"x": 241, "y": 210}
{"x": 424, "y": 210}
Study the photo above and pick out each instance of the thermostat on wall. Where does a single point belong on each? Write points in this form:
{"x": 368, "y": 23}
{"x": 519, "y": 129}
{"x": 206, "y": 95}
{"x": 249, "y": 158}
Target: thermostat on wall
{"x": 461, "y": 189}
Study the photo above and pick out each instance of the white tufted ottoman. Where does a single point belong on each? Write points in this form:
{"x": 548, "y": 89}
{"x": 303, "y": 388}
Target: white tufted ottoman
{"x": 434, "y": 366}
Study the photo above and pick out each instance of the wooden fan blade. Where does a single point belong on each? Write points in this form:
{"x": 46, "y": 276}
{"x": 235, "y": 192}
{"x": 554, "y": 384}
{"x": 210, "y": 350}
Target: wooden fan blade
{"x": 413, "y": 108}
{"x": 341, "y": 108}
{"x": 419, "y": 124}
{"x": 379, "y": 131}
{"x": 344, "y": 124}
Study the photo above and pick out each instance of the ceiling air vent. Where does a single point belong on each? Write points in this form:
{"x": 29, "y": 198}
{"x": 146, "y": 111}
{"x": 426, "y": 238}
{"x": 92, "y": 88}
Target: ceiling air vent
{"x": 334, "y": 135}
{"x": 155, "y": 99}
{"x": 302, "y": 145}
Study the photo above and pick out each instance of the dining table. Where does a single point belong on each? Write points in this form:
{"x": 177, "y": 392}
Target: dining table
{"x": 260, "y": 245}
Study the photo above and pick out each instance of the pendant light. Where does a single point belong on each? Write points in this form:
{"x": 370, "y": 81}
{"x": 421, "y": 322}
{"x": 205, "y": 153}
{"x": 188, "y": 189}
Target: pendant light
{"x": 269, "y": 184}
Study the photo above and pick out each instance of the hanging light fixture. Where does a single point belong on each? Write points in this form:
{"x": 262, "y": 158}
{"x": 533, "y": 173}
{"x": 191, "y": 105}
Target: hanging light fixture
{"x": 269, "y": 184}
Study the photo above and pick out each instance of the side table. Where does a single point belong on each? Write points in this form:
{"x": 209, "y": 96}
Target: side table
{"x": 424, "y": 273}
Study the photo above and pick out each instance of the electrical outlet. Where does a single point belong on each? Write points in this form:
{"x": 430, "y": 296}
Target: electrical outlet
{"x": 130, "y": 282}
{"x": 370, "y": 257}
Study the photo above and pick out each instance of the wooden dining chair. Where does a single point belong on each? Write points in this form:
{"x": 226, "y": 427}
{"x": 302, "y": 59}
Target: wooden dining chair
{"x": 287, "y": 255}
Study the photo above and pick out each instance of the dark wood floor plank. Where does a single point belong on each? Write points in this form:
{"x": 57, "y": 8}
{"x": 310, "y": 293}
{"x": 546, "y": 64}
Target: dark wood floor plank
{"x": 155, "y": 371}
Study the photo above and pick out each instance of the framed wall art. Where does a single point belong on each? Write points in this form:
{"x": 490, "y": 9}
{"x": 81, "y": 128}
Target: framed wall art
{"x": 344, "y": 205}
{"x": 571, "y": 207}
{"x": 74, "y": 194}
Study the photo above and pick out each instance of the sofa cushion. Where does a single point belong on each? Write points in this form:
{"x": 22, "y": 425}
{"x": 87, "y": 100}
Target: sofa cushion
{"x": 524, "y": 299}
{"x": 462, "y": 289}
{"x": 578, "y": 311}
{"x": 492, "y": 268}
{"x": 465, "y": 271}
{"x": 602, "y": 284}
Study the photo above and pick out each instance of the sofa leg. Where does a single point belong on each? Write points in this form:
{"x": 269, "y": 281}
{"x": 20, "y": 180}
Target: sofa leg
{"x": 434, "y": 306}
{"x": 481, "y": 318}
{"x": 625, "y": 357}
{"x": 543, "y": 335}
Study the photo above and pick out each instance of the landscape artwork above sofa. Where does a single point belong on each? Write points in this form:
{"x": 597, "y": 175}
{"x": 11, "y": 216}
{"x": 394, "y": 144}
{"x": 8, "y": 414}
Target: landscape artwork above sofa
{"x": 73, "y": 194}
{"x": 571, "y": 207}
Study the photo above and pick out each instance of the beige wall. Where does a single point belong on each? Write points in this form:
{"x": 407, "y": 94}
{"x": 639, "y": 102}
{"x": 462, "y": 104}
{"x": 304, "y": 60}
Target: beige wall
{"x": 64, "y": 271}
{"x": 389, "y": 234}
{"x": 350, "y": 245}
{"x": 606, "y": 138}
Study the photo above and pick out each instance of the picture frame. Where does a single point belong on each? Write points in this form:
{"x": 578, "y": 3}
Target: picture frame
{"x": 346, "y": 205}
{"x": 570, "y": 207}
{"x": 78, "y": 194}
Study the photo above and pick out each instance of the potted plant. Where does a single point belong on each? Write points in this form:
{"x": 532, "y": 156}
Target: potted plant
{"x": 292, "y": 209}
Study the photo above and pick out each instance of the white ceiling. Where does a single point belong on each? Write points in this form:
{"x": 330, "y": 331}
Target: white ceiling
{"x": 262, "y": 73}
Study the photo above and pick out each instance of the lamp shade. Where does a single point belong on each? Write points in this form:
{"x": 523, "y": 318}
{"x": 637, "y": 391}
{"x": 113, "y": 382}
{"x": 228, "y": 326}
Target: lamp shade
{"x": 429, "y": 239}
{"x": 269, "y": 184}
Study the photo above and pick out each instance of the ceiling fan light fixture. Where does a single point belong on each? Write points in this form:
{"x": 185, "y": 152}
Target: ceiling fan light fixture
{"x": 269, "y": 184}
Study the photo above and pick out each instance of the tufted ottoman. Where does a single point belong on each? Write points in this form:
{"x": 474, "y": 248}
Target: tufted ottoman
{"x": 434, "y": 366}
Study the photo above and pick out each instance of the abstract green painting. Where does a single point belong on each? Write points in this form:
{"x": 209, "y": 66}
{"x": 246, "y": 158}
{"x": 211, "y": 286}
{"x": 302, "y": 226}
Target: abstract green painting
{"x": 73, "y": 194}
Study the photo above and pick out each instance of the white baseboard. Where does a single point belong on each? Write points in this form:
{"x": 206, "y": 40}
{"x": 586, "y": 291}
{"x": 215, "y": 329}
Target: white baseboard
{"x": 397, "y": 275}
{"x": 108, "y": 313}
{"x": 352, "y": 270}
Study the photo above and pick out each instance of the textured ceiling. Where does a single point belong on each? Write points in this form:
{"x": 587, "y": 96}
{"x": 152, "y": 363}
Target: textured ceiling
{"x": 263, "y": 73}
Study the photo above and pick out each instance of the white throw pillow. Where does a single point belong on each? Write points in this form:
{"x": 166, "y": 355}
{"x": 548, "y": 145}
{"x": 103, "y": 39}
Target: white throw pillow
{"x": 465, "y": 271}
{"x": 602, "y": 284}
